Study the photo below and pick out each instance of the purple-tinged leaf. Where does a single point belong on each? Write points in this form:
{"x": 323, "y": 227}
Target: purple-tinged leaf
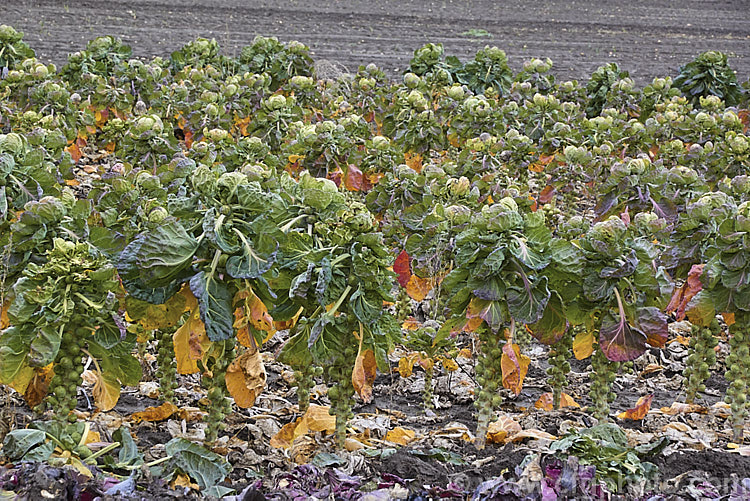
{"x": 492, "y": 289}
{"x": 653, "y": 323}
{"x": 619, "y": 341}
{"x": 621, "y": 267}
{"x": 526, "y": 305}
{"x": 553, "y": 324}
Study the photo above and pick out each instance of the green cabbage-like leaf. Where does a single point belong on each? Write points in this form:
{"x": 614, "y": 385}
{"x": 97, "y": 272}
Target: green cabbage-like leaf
{"x": 164, "y": 253}
{"x": 526, "y": 304}
{"x": 619, "y": 341}
{"x": 553, "y": 324}
{"x": 215, "y": 304}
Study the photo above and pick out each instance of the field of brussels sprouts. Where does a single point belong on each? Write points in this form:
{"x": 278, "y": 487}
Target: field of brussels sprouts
{"x": 227, "y": 277}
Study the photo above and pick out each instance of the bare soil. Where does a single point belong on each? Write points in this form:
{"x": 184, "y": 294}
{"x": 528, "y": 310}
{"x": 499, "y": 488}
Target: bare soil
{"x": 647, "y": 38}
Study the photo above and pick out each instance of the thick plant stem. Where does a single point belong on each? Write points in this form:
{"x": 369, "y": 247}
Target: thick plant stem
{"x": 217, "y": 391}
{"x": 166, "y": 369}
{"x": 604, "y": 374}
{"x": 68, "y": 368}
{"x": 700, "y": 359}
{"x": 559, "y": 368}
{"x": 738, "y": 370}
{"x": 489, "y": 376}
{"x": 303, "y": 376}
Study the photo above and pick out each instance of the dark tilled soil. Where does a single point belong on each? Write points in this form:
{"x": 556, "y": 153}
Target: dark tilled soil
{"x": 647, "y": 38}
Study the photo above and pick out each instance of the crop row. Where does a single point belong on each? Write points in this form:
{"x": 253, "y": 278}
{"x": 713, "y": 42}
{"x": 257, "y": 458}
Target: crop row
{"x": 206, "y": 202}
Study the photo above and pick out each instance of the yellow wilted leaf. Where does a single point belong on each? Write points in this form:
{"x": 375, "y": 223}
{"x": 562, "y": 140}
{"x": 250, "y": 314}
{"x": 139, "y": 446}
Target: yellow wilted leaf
{"x": 252, "y": 312}
{"x": 182, "y": 480}
{"x": 106, "y": 391}
{"x": 77, "y": 464}
{"x": 160, "y": 316}
{"x": 414, "y": 161}
{"x": 410, "y": 324}
{"x": 21, "y": 379}
{"x": 92, "y": 437}
{"x": 640, "y": 410}
{"x": 449, "y": 364}
{"x": 503, "y": 428}
{"x": 4, "y": 320}
{"x": 286, "y": 435}
{"x": 159, "y": 413}
{"x": 316, "y": 419}
{"x": 363, "y": 375}
{"x": 533, "y": 433}
{"x": 544, "y": 161}
{"x": 514, "y": 366}
{"x": 464, "y": 353}
{"x": 583, "y": 344}
{"x": 728, "y": 318}
{"x": 242, "y": 124}
{"x": 545, "y": 401}
{"x": 38, "y": 386}
{"x": 288, "y": 324}
{"x": 190, "y": 342}
{"x": 417, "y": 288}
{"x": 246, "y": 378}
{"x": 320, "y": 419}
{"x": 400, "y": 436}
{"x": 681, "y": 408}
{"x": 406, "y": 365}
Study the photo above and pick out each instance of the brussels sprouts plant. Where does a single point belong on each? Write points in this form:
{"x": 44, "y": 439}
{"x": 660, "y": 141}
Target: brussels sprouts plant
{"x": 333, "y": 277}
{"x": 726, "y": 290}
{"x": 62, "y": 310}
{"x": 12, "y": 47}
{"x": 498, "y": 285}
{"x": 621, "y": 296}
{"x": 709, "y": 75}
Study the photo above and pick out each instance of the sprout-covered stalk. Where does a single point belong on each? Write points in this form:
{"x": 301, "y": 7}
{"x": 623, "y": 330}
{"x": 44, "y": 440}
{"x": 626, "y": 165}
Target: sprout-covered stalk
{"x": 68, "y": 365}
{"x": 220, "y": 406}
{"x": 489, "y": 377}
{"x": 604, "y": 374}
{"x": 738, "y": 370}
{"x": 305, "y": 378}
{"x": 166, "y": 369}
{"x": 341, "y": 393}
{"x": 559, "y": 368}
{"x": 700, "y": 359}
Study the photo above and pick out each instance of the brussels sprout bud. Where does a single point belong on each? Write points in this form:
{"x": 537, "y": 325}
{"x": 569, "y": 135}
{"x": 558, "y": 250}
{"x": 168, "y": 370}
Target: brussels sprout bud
{"x": 567, "y": 87}
{"x": 380, "y": 142}
{"x": 157, "y": 215}
{"x": 456, "y": 92}
{"x": 742, "y": 221}
{"x": 459, "y": 187}
{"x": 731, "y": 120}
{"x": 411, "y": 80}
{"x": 216, "y": 135}
{"x": 432, "y": 171}
{"x": 739, "y": 144}
{"x": 276, "y": 102}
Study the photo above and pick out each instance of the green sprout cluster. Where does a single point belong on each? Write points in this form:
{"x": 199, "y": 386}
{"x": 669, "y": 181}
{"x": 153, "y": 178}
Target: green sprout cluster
{"x": 215, "y": 382}
{"x": 489, "y": 375}
{"x": 604, "y": 373}
{"x": 166, "y": 367}
{"x": 738, "y": 372}
{"x": 559, "y": 368}
{"x": 700, "y": 359}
